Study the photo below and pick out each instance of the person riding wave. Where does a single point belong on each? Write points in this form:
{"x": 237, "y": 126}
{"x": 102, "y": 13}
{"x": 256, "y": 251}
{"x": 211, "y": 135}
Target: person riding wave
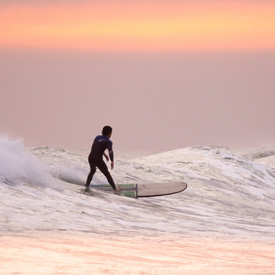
{"x": 100, "y": 144}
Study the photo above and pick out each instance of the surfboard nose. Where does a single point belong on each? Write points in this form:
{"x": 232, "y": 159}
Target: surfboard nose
{"x": 159, "y": 189}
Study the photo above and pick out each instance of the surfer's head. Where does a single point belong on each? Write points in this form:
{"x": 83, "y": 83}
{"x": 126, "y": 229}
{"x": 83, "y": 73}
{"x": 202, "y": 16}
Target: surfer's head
{"x": 107, "y": 131}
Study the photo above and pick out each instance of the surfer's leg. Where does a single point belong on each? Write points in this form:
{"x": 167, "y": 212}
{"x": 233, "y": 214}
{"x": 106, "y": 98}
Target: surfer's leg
{"x": 104, "y": 170}
{"x": 91, "y": 174}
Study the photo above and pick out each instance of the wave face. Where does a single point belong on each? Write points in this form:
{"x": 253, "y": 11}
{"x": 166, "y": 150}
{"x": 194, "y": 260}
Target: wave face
{"x": 229, "y": 194}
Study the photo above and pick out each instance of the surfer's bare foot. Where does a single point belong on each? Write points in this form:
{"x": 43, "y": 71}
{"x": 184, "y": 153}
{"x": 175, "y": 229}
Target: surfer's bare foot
{"x": 117, "y": 190}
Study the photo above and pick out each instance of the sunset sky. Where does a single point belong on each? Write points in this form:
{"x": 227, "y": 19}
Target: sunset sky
{"x": 139, "y": 25}
{"x": 164, "y": 74}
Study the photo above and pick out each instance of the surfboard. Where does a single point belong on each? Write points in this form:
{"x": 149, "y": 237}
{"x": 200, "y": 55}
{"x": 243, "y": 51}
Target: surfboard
{"x": 142, "y": 190}
{"x": 139, "y": 190}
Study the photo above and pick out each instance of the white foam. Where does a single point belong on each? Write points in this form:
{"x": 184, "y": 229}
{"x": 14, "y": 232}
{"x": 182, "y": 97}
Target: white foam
{"x": 18, "y": 165}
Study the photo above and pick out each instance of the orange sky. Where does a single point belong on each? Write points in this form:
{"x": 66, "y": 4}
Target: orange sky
{"x": 142, "y": 26}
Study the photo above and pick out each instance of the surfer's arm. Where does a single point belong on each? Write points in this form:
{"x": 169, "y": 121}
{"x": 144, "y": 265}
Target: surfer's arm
{"x": 111, "y": 154}
{"x": 106, "y": 156}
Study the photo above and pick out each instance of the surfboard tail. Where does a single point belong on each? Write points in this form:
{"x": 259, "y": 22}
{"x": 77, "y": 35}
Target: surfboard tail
{"x": 127, "y": 190}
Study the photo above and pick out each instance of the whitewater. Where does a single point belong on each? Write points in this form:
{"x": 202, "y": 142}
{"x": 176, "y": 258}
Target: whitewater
{"x": 222, "y": 223}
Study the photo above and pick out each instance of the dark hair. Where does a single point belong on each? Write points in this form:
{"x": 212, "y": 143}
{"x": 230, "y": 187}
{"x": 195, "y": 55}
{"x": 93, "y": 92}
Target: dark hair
{"x": 107, "y": 130}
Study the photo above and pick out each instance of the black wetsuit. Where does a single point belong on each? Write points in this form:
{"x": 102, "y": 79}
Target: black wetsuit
{"x": 101, "y": 143}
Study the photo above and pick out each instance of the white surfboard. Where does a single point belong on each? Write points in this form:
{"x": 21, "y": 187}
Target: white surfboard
{"x": 142, "y": 190}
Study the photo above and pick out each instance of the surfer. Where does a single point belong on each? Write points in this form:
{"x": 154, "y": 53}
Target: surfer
{"x": 101, "y": 143}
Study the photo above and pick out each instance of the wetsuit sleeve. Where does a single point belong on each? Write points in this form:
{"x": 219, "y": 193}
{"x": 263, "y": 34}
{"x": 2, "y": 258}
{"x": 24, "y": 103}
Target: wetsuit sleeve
{"x": 110, "y": 149}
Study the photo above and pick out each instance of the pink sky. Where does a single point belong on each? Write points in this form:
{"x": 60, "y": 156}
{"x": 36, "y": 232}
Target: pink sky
{"x": 206, "y": 82}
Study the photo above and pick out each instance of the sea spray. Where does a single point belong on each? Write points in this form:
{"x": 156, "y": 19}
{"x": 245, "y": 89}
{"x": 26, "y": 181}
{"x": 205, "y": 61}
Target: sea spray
{"x": 18, "y": 165}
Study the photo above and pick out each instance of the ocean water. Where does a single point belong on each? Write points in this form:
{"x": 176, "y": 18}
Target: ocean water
{"x": 230, "y": 197}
